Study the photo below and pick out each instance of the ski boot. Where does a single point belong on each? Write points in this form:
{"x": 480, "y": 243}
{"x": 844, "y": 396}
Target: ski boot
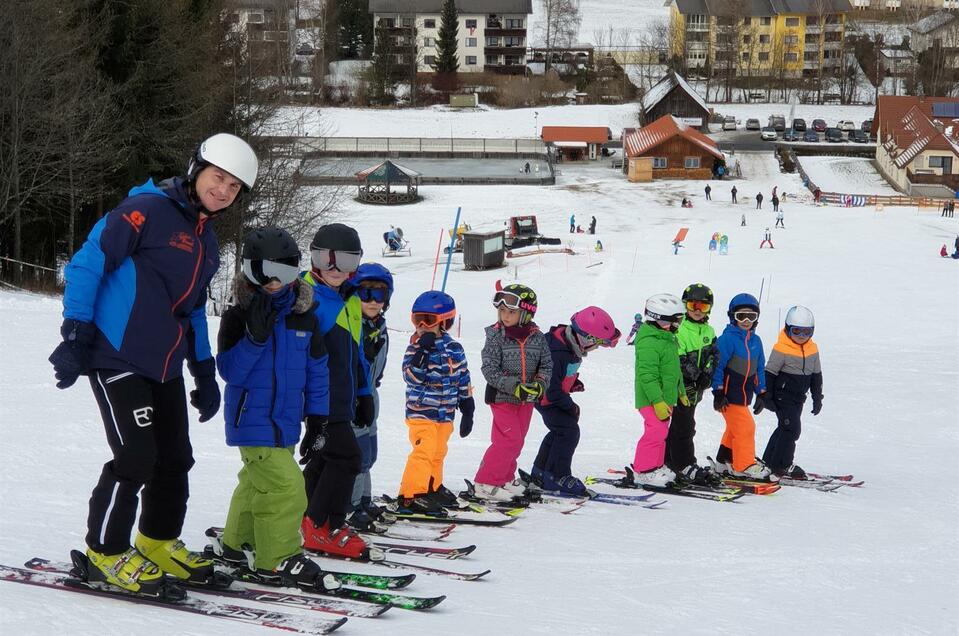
{"x": 699, "y": 476}
{"x": 445, "y": 498}
{"x": 381, "y": 514}
{"x": 361, "y": 521}
{"x": 339, "y": 542}
{"x": 129, "y": 571}
{"x": 661, "y": 477}
{"x": 758, "y": 471}
{"x": 537, "y": 477}
{"x": 172, "y": 557}
{"x": 488, "y": 492}
{"x": 795, "y": 472}
{"x": 300, "y": 571}
{"x": 567, "y": 484}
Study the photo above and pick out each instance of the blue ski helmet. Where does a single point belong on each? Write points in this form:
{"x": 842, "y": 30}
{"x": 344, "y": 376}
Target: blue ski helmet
{"x": 374, "y": 272}
{"x": 434, "y": 302}
{"x": 742, "y": 301}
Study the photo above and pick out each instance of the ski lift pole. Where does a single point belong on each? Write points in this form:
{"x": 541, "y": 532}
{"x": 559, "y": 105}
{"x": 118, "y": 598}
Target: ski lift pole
{"x": 449, "y": 258}
{"x": 761, "y": 286}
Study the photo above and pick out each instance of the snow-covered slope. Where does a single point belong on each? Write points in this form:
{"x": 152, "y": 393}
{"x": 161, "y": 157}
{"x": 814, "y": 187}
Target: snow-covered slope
{"x": 881, "y": 559}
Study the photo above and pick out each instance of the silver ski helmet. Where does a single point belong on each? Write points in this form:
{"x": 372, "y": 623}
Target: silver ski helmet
{"x": 665, "y": 308}
{"x": 227, "y": 152}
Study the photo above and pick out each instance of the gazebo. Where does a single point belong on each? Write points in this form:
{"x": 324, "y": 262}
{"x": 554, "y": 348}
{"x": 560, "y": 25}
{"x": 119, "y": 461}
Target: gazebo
{"x": 376, "y": 184}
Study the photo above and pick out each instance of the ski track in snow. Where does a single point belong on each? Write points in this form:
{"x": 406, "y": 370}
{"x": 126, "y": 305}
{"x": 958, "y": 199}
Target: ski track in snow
{"x": 879, "y": 559}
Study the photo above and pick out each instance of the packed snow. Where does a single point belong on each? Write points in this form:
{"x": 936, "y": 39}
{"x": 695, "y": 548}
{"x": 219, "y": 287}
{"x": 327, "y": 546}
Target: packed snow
{"x": 847, "y": 175}
{"x": 599, "y": 17}
{"x": 878, "y": 559}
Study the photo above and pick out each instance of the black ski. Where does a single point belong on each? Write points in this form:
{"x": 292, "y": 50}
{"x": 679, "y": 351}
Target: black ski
{"x": 423, "y": 551}
{"x": 691, "y": 491}
{"x": 298, "y": 623}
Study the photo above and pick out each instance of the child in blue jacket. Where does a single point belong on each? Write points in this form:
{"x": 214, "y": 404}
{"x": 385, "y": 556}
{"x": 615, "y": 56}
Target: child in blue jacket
{"x": 272, "y": 357}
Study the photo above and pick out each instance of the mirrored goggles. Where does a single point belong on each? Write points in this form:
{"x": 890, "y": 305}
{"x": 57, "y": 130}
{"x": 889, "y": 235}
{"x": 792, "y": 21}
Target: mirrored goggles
{"x": 698, "y": 305}
{"x": 801, "y": 332}
{"x": 326, "y": 260}
{"x": 591, "y": 342}
{"x": 512, "y": 301}
{"x": 373, "y": 294}
{"x": 431, "y": 320}
{"x": 746, "y": 315}
{"x": 262, "y": 272}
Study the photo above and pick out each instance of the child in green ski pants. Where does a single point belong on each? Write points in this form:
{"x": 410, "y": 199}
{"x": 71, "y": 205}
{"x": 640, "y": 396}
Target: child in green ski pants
{"x": 272, "y": 357}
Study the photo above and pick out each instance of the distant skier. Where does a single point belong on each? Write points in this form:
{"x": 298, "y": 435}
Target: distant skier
{"x": 742, "y": 222}
{"x": 775, "y": 203}
{"x": 793, "y": 369}
{"x": 592, "y": 225}
{"x": 816, "y": 195}
{"x": 759, "y": 201}
{"x": 708, "y": 190}
{"x": 780, "y": 219}
{"x": 767, "y": 238}
{"x": 572, "y": 223}
{"x": 733, "y": 192}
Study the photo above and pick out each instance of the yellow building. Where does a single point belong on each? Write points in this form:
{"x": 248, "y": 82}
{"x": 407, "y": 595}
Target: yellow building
{"x": 759, "y": 37}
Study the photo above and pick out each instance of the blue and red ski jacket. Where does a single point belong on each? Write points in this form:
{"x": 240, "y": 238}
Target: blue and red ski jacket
{"x": 740, "y": 371}
{"x": 141, "y": 277}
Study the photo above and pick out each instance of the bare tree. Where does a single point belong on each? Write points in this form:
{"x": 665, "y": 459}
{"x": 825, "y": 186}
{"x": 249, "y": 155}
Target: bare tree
{"x": 560, "y": 26}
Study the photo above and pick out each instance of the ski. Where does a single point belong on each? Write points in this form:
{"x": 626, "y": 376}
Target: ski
{"x": 752, "y": 486}
{"x": 691, "y": 491}
{"x": 377, "y": 581}
{"x": 641, "y": 501}
{"x": 410, "y": 531}
{"x": 423, "y": 551}
{"x": 824, "y": 485}
{"x": 400, "y": 565}
{"x": 846, "y": 479}
{"x": 286, "y": 599}
{"x": 465, "y": 517}
{"x": 301, "y": 624}
{"x": 351, "y": 593}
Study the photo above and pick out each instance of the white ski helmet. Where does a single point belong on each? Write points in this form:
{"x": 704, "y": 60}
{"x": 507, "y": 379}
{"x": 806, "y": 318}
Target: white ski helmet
{"x": 227, "y": 152}
{"x": 799, "y": 316}
{"x": 666, "y": 307}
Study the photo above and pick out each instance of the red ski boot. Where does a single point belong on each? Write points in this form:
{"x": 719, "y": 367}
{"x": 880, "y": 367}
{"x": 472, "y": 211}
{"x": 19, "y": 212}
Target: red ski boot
{"x": 340, "y": 542}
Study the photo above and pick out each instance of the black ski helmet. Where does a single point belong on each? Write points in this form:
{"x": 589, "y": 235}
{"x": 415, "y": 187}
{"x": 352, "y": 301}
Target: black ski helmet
{"x": 698, "y": 291}
{"x": 269, "y": 253}
{"x": 336, "y": 237}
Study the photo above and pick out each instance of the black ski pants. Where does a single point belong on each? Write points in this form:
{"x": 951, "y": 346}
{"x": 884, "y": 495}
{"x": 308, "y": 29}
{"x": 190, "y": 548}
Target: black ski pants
{"x": 147, "y": 429}
{"x": 555, "y": 454}
{"x": 680, "y": 449}
{"x": 781, "y": 449}
{"x": 330, "y": 475}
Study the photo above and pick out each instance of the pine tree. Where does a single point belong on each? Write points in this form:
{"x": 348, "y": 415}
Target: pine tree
{"x": 446, "y": 58}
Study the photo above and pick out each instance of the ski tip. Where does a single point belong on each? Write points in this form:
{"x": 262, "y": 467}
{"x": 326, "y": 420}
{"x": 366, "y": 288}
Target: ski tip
{"x": 335, "y": 625}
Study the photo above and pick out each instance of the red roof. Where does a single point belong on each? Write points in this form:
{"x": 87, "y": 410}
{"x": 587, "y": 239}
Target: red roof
{"x": 589, "y": 134}
{"x": 908, "y": 127}
{"x": 642, "y": 140}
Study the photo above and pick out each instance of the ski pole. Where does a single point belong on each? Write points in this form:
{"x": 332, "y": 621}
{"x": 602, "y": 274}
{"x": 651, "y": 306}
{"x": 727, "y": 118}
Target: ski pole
{"x": 436, "y": 261}
{"x": 449, "y": 260}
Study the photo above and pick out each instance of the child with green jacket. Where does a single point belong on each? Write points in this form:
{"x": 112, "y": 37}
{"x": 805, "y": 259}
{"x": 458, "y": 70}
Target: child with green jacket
{"x": 659, "y": 385}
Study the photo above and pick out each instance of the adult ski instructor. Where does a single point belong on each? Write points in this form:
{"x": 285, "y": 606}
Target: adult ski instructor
{"x": 134, "y": 309}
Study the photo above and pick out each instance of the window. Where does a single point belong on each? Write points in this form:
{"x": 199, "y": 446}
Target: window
{"x": 832, "y": 36}
{"x": 429, "y": 60}
{"x": 792, "y": 22}
{"x": 745, "y": 56}
{"x": 764, "y": 56}
{"x": 491, "y": 41}
{"x": 492, "y": 60}
{"x": 659, "y": 162}
{"x": 812, "y": 38}
{"x": 387, "y": 23}
{"x": 747, "y": 21}
{"x": 764, "y": 39}
{"x": 790, "y": 40}
{"x": 791, "y": 57}
{"x": 471, "y": 24}
{"x": 514, "y": 23}
{"x": 696, "y": 21}
{"x": 691, "y": 162}
{"x": 429, "y": 41}
{"x": 765, "y": 21}
{"x": 429, "y": 24}
{"x": 470, "y": 42}
{"x": 696, "y": 36}
{"x": 407, "y": 22}
{"x": 810, "y": 56}
{"x": 937, "y": 162}
{"x": 471, "y": 60}
{"x": 514, "y": 41}
{"x": 747, "y": 38}
{"x": 812, "y": 20}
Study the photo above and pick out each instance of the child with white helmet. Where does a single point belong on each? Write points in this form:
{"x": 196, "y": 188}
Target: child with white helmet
{"x": 793, "y": 370}
{"x": 659, "y": 385}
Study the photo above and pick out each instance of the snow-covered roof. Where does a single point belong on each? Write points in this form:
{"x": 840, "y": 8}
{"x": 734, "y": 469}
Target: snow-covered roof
{"x": 932, "y": 22}
{"x": 661, "y": 89}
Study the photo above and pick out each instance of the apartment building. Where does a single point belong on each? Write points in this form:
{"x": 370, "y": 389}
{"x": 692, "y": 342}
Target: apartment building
{"x": 492, "y": 33}
{"x": 759, "y": 37}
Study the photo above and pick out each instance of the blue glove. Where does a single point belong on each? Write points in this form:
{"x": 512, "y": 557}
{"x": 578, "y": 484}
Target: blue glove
{"x": 206, "y": 397}
{"x": 71, "y": 358}
{"x": 467, "y": 408}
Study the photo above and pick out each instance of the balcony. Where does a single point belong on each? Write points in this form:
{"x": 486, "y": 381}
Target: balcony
{"x": 501, "y": 31}
{"x": 505, "y": 69}
{"x": 514, "y": 49}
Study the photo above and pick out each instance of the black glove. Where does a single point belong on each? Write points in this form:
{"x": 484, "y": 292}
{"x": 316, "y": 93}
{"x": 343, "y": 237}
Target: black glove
{"x": 577, "y": 386}
{"x": 260, "y": 318}
{"x": 467, "y": 408}
{"x": 365, "y": 411}
{"x": 759, "y": 404}
{"x": 314, "y": 439}
{"x": 575, "y": 411}
{"x": 206, "y": 397}
{"x": 424, "y": 344}
{"x": 703, "y": 381}
{"x": 769, "y": 401}
{"x": 719, "y": 400}
{"x": 72, "y": 356}
{"x": 816, "y": 405}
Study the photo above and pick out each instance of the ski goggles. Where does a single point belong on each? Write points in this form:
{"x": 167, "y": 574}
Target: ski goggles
{"x": 373, "y": 294}
{"x": 698, "y": 305}
{"x": 801, "y": 332}
{"x": 326, "y": 260}
{"x": 421, "y": 319}
{"x": 746, "y": 315}
{"x": 512, "y": 301}
{"x": 261, "y": 272}
{"x": 591, "y": 342}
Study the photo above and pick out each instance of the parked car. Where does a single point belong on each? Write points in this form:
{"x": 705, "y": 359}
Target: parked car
{"x": 811, "y": 137}
{"x": 752, "y": 124}
{"x": 729, "y": 123}
{"x": 791, "y": 135}
{"x": 778, "y": 122}
{"x": 834, "y": 135}
{"x": 846, "y": 125}
{"x": 768, "y": 134}
{"x": 819, "y": 125}
{"x": 858, "y": 137}
{"x": 799, "y": 125}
